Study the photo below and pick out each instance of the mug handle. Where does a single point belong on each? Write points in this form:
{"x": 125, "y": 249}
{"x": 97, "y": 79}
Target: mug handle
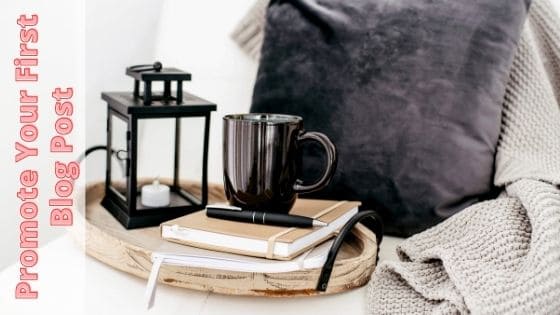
{"x": 330, "y": 150}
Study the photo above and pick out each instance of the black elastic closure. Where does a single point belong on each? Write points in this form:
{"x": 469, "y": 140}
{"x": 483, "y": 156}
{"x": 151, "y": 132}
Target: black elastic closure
{"x": 376, "y": 226}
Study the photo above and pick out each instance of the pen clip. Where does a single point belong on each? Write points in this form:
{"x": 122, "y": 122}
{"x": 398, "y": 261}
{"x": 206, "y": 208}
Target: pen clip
{"x": 224, "y": 207}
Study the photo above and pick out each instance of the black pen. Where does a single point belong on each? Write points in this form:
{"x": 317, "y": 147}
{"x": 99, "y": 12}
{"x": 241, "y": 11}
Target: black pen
{"x": 237, "y": 214}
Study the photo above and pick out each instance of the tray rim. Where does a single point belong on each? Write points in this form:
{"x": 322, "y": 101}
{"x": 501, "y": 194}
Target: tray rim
{"x": 139, "y": 265}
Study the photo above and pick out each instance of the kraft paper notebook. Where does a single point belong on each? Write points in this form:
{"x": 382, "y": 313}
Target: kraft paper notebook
{"x": 267, "y": 241}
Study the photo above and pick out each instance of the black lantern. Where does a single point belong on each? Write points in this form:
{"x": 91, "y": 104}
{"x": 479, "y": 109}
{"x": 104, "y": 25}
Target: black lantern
{"x": 127, "y": 113}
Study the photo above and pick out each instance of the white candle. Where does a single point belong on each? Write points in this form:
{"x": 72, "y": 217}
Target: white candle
{"x": 155, "y": 195}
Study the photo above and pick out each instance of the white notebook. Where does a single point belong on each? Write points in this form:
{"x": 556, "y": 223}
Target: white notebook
{"x": 177, "y": 255}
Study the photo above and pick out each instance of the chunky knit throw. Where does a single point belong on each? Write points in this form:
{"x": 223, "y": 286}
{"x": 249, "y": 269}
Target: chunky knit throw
{"x": 499, "y": 256}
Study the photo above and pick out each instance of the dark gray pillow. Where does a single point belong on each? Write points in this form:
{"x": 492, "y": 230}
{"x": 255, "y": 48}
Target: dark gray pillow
{"x": 410, "y": 92}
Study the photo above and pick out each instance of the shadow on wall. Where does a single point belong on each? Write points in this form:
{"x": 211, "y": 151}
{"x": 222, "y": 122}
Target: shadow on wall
{"x": 117, "y": 36}
{"x": 195, "y": 36}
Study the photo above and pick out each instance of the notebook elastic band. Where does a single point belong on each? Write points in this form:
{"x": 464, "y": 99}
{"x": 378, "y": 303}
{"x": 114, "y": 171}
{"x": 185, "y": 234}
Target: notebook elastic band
{"x": 271, "y": 242}
{"x": 329, "y": 209}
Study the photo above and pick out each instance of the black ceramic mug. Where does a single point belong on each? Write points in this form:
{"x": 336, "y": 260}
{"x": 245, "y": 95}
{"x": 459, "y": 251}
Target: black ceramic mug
{"x": 262, "y": 161}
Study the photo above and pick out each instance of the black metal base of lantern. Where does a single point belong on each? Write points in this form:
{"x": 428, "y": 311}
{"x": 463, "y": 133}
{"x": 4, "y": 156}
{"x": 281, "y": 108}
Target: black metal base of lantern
{"x": 147, "y": 217}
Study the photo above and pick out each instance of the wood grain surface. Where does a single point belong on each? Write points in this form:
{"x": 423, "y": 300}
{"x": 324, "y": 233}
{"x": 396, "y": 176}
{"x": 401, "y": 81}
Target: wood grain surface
{"x": 130, "y": 251}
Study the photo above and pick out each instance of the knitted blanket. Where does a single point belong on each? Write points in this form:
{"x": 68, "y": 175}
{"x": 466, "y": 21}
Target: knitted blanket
{"x": 498, "y": 256}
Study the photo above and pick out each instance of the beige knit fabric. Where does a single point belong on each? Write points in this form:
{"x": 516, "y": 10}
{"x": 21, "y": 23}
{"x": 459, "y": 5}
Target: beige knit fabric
{"x": 500, "y": 256}
{"x": 249, "y": 32}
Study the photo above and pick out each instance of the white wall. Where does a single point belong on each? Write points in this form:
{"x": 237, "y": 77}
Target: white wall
{"x": 195, "y": 36}
{"x": 118, "y": 34}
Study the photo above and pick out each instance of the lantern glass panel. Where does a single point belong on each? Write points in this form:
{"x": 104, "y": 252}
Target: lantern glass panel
{"x": 119, "y": 182}
{"x": 155, "y": 160}
{"x": 191, "y": 150}
{"x": 156, "y": 156}
{"x": 156, "y": 142}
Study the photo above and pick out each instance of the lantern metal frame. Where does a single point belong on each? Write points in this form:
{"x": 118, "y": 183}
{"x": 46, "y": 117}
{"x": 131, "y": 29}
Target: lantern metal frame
{"x": 132, "y": 107}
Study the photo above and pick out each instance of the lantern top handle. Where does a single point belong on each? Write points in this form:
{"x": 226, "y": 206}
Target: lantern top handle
{"x": 156, "y": 66}
{"x": 156, "y": 72}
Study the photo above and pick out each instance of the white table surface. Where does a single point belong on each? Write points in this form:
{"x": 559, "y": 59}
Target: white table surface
{"x": 72, "y": 283}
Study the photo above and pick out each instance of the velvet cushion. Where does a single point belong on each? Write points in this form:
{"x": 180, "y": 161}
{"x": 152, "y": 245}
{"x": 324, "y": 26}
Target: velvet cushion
{"x": 409, "y": 91}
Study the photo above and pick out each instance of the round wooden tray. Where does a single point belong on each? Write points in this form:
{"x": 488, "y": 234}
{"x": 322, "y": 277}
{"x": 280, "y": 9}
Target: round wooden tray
{"x": 130, "y": 251}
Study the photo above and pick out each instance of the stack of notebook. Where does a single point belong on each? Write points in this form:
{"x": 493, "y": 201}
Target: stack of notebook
{"x": 247, "y": 247}
{"x": 266, "y": 241}
{"x": 258, "y": 240}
